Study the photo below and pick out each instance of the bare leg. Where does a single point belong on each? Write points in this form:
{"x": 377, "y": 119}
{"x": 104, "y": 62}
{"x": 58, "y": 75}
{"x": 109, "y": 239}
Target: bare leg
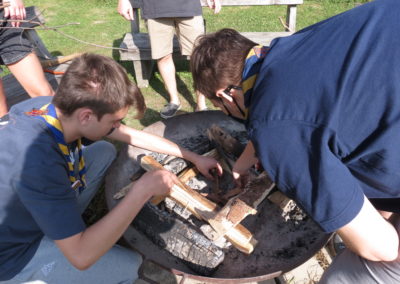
{"x": 166, "y": 67}
{"x": 201, "y": 101}
{"x": 3, "y": 100}
{"x": 29, "y": 74}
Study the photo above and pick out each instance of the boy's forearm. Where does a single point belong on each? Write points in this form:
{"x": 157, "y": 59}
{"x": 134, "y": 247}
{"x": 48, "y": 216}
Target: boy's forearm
{"x": 246, "y": 160}
{"x": 151, "y": 142}
{"x": 84, "y": 249}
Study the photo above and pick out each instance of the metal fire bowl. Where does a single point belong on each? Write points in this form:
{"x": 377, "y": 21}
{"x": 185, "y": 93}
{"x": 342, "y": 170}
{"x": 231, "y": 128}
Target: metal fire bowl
{"x": 179, "y": 129}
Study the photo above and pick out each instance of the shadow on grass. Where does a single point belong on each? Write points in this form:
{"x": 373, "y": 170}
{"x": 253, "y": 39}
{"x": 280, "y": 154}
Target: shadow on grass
{"x": 185, "y": 92}
{"x": 158, "y": 86}
{"x": 150, "y": 116}
{"x": 115, "y": 52}
{"x": 182, "y": 86}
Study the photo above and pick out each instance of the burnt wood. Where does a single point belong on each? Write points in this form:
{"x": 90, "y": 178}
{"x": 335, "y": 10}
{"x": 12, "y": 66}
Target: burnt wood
{"x": 180, "y": 239}
{"x": 203, "y": 209}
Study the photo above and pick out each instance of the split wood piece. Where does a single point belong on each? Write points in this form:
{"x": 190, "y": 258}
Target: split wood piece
{"x": 123, "y": 191}
{"x": 137, "y": 175}
{"x": 215, "y": 189}
{"x": 203, "y": 208}
{"x": 227, "y": 146}
{"x": 230, "y": 216}
{"x": 244, "y": 204}
{"x": 185, "y": 175}
{"x": 231, "y": 193}
{"x": 281, "y": 200}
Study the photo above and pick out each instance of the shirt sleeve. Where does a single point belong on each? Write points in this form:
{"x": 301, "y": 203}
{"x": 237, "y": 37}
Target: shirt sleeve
{"x": 45, "y": 190}
{"x": 300, "y": 159}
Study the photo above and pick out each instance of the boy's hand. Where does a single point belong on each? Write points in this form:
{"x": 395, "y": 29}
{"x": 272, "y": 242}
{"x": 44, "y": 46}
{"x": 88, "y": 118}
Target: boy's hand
{"x": 157, "y": 182}
{"x": 206, "y": 164}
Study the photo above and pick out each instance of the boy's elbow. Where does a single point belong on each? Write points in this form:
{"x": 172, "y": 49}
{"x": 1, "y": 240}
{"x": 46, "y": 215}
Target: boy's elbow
{"x": 391, "y": 256}
{"x": 387, "y": 254}
{"x": 81, "y": 264}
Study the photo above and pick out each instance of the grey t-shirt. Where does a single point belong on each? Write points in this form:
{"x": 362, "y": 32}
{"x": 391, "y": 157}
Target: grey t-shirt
{"x": 152, "y": 9}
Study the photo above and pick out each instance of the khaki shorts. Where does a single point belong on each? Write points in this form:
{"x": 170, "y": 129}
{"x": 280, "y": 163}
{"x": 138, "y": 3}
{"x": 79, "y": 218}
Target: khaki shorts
{"x": 162, "y": 30}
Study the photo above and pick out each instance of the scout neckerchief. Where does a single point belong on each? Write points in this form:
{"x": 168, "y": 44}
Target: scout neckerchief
{"x": 48, "y": 114}
{"x": 252, "y": 66}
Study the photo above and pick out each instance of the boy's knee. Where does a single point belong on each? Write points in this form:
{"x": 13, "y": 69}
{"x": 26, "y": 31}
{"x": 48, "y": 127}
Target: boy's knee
{"x": 128, "y": 261}
{"x": 105, "y": 151}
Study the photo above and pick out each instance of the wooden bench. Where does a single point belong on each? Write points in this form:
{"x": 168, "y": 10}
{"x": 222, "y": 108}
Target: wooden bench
{"x": 15, "y": 93}
{"x": 136, "y": 45}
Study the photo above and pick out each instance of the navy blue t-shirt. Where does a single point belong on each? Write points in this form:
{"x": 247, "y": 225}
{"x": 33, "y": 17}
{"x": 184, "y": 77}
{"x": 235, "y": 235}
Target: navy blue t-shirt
{"x": 36, "y": 198}
{"x": 325, "y": 113}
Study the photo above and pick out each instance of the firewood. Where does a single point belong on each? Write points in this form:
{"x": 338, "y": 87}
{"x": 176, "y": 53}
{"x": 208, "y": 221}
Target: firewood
{"x": 203, "y": 208}
{"x": 223, "y": 139}
{"x": 185, "y": 175}
{"x": 281, "y": 200}
{"x": 179, "y": 238}
{"x": 137, "y": 175}
{"x": 215, "y": 189}
{"x": 122, "y": 192}
{"x": 227, "y": 146}
{"x": 188, "y": 174}
{"x": 230, "y": 216}
{"x": 231, "y": 193}
{"x": 244, "y": 204}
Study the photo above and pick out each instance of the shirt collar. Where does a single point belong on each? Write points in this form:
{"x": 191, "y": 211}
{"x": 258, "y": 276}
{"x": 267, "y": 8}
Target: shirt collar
{"x": 252, "y": 66}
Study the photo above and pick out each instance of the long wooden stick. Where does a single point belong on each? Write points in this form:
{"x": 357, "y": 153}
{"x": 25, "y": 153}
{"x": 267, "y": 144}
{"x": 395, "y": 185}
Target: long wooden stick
{"x": 203, "y": 208}
{"x": 57, "y": 61}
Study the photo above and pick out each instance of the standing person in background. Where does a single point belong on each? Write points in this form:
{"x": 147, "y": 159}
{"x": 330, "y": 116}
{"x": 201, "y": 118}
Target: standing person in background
{"x": 164, "y": 19}
{"x": 16, "y": 52}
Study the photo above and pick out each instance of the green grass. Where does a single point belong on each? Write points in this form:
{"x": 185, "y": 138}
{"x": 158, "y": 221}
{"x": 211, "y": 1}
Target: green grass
{"x": 100, "y": 24}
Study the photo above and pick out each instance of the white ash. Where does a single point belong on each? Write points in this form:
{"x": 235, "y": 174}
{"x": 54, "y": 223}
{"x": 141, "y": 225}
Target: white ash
{"x": 177, "y": 209}
{"x": 294, "y": 213}
{"x": 199, "y": 184}
{"x": 176, "y": 165}
{"x": 219, "y": 241}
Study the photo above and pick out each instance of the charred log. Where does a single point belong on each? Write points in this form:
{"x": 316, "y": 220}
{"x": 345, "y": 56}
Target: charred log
{"x": 180, "y": 239}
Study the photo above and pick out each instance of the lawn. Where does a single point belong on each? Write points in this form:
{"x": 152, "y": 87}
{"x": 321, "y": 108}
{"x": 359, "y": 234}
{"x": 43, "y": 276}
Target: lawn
{"x": 100, "y": 27}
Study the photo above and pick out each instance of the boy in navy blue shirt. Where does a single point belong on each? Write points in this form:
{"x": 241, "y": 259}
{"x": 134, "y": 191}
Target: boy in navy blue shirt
{"x": 322, "y": 110}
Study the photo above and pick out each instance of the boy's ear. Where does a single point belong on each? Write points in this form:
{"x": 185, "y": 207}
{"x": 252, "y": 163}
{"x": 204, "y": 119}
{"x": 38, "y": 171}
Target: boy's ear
{"x": 85, "y": 115}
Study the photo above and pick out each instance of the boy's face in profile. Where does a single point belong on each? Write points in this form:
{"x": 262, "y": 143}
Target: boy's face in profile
{"x": 96, "y": 129}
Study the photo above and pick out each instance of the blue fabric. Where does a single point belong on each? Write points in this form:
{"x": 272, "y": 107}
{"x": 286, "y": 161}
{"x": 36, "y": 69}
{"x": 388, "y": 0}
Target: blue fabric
{"x": 35, "y": 192}
{"x": 325, "y": 112}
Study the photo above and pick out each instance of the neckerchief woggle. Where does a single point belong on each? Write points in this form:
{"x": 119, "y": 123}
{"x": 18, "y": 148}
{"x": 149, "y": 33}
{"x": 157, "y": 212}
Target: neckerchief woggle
{"x": 48, "y": 114}
{"x": 252, "y": 66}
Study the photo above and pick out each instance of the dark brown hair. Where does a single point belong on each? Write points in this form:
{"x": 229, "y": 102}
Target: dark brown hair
{"x": 218, "y": 59}
{"x": 99, "y": 83}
